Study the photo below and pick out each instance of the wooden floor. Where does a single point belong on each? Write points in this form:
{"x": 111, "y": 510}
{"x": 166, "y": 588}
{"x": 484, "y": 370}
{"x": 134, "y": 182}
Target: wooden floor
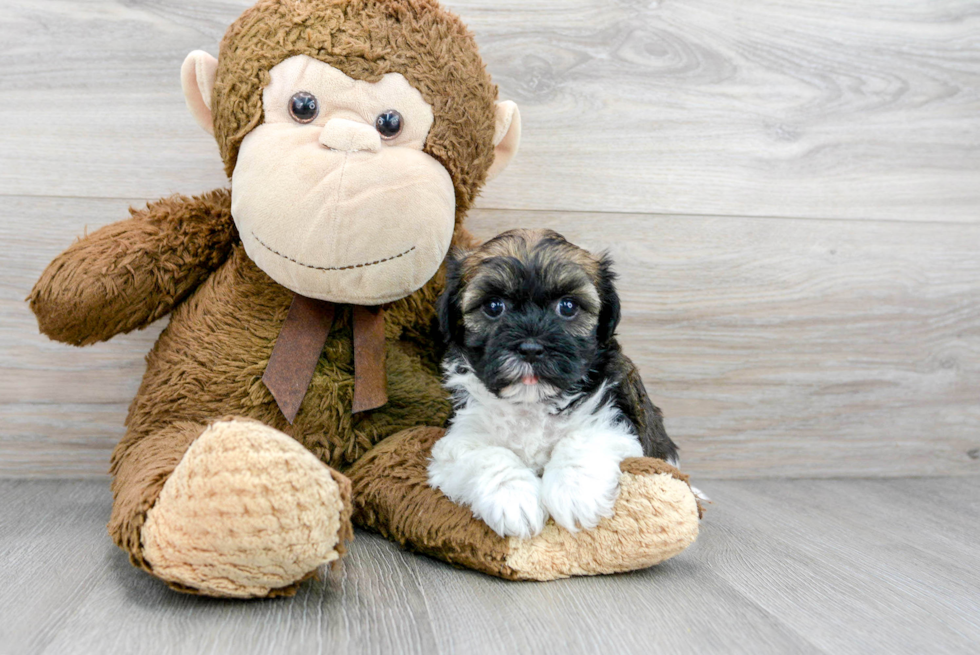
{"x": 803, "y": 566}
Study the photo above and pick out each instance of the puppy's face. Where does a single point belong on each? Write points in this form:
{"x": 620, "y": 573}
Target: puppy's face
{"x": 529, "y": 312}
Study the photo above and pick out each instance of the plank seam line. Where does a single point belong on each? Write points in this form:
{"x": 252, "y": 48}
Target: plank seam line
{"x": 138, "y": 202}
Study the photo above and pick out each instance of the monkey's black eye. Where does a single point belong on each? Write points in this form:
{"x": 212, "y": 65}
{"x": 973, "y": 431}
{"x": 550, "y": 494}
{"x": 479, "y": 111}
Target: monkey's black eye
{"x": 567, "y": 308}
{"x": 303, "y": 107}
{"x": 389, "y": 124}
{"x": 494, "y": 307}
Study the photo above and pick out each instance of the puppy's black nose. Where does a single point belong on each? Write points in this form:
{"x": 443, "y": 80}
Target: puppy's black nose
{"x": 530, "y": 350}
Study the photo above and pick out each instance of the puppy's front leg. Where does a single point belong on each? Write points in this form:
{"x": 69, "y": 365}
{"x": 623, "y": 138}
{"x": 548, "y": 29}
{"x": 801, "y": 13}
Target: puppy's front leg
{"x": 492, "y": 481}
{"x": 581, "y": 481}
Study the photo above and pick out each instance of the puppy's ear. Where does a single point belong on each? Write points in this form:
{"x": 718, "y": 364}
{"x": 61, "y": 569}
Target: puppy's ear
{"x": 609, "y": 311}
{"x": 448, "y": 307}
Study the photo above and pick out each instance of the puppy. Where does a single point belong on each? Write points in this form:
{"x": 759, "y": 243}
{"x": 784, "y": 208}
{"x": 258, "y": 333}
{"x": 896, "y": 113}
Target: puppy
{"x": 546, "y": 406}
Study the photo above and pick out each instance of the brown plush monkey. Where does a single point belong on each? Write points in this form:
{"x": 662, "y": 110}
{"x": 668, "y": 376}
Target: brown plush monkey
{"x": 297, "y": 382}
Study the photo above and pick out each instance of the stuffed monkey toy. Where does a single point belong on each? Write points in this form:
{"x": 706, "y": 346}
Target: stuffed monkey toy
{"x": 296, "y": 388}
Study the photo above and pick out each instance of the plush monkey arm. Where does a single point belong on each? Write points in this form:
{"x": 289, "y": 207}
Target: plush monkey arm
{"x": 631, "y": 398}
{"x": 128, "y": 274}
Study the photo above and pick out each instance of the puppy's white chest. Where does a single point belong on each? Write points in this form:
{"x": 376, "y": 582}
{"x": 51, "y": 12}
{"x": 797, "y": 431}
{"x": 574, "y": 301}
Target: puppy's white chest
{"x": 528, "y": 429}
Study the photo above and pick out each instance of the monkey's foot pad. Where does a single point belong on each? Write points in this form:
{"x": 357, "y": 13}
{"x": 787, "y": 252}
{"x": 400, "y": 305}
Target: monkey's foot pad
{"x": 247, "y": 512}
{"x": 655, "y": 517}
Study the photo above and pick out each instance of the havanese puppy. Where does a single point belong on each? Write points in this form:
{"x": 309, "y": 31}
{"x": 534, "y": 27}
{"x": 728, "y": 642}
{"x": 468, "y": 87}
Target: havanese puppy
{"x": 546, "y": 405}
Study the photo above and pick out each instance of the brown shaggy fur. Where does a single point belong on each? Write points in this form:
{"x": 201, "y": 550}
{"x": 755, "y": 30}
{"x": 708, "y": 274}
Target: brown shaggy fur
{"x": 183, "y": 255}
{"x": 126, "y": 275}
{"x": 366, "y": 39}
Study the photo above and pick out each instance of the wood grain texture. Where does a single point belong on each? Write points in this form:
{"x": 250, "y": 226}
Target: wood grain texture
{"x": 830, "y": 566}
{"x": 826, "y": 109}
{"x": 775, "y": 348}
{"x": 785, "y": 544}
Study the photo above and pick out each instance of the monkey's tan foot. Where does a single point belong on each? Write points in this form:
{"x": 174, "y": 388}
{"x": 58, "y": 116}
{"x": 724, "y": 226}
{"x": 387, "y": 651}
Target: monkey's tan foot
{"x": 247, "y": 512}
{"x": 655, "y": 517}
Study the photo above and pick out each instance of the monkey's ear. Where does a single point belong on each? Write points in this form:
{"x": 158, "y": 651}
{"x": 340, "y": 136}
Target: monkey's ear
{"x": 448, "y": 308}
{"x": 609, "y": 312}
{"x": 197, "y": 76}
{"x": 506, "y": 137}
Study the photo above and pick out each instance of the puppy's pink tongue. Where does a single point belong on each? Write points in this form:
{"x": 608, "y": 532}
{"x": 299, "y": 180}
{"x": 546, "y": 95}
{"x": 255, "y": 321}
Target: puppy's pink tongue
{"x": 530, "y": 379}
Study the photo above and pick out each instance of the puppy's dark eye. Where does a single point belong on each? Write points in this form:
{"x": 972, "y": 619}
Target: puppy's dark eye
{"x": 389, "y": 124}
{"x": 303, "y": 107}
{"x": 567, "y": 308}
{"x": 494, "y": 307}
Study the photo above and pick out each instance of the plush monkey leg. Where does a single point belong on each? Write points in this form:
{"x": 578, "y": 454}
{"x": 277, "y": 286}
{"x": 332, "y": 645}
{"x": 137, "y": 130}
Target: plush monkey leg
{"x": 235, "y": 508}
{"x": 656, "y": 517}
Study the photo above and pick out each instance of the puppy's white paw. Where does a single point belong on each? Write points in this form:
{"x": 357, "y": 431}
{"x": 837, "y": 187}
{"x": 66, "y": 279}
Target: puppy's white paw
{"x": 514, "y": 508}
{"x": 493, "y": 482}
{"x": 579, "y": 497}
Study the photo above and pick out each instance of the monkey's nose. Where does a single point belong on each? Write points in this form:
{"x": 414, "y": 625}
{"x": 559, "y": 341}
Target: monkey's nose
{"x": 530, "y": 350}
{"x": 349, "y": 136}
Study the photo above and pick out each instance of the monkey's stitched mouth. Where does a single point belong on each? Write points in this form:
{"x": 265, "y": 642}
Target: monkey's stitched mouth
{"x": 331, "y": 268}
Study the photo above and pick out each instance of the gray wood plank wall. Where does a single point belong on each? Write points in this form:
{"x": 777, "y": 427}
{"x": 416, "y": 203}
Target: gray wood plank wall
{"x": 792, "y": 192}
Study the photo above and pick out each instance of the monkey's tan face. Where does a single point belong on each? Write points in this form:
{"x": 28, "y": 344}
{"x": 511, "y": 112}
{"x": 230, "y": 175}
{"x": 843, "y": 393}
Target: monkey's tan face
{"x": 332, "y": 194}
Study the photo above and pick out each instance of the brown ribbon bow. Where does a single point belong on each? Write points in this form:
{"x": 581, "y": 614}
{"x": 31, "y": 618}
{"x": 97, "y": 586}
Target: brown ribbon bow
{"x": 300, "y": 342}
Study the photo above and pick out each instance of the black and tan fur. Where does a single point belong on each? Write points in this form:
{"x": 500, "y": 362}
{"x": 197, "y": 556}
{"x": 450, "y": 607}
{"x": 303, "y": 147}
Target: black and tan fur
{"x": 533, "y": 269}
